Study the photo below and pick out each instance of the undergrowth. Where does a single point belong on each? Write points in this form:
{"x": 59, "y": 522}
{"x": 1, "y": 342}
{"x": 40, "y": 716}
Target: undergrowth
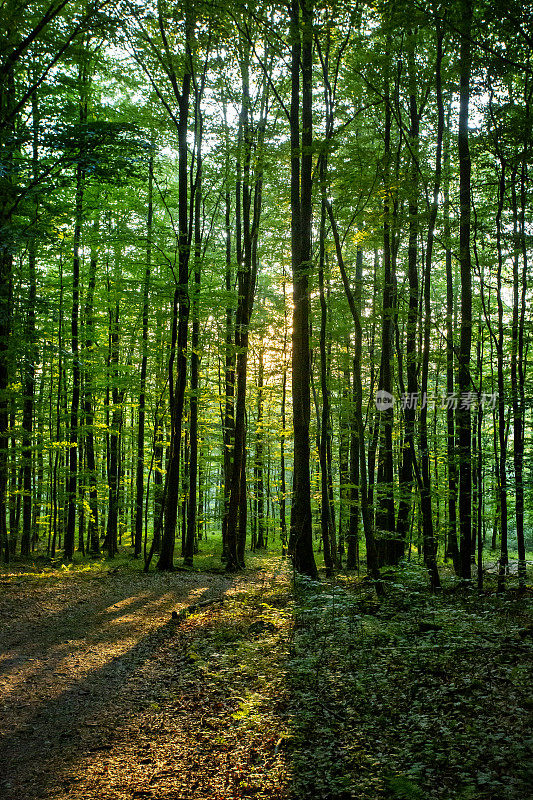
{"x": 417, "y": 696}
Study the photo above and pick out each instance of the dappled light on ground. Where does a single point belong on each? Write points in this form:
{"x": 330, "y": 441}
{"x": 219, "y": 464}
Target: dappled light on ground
{"x": 103, "y": 694}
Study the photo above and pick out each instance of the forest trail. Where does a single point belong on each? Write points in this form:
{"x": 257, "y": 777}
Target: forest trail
{"x": 103, "y": 694}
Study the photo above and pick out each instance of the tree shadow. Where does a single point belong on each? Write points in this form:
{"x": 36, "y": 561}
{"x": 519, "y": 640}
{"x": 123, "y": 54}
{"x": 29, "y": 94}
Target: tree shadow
{"x": 62, "y": 700}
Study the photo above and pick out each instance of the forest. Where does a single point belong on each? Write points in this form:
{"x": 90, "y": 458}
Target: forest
{"x": 266, "y": 429}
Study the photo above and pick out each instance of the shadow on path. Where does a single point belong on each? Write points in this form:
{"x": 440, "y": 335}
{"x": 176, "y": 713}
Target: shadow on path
{"x": 72, "y": 676}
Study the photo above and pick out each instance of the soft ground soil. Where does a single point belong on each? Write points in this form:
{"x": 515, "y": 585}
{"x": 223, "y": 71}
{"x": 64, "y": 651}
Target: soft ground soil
{"x": 321, "y": 693}
{"x": 104, "y": 695}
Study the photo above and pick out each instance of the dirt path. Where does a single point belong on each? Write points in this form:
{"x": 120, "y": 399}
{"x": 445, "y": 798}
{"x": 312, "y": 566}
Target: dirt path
{"x": 103, "y": 695}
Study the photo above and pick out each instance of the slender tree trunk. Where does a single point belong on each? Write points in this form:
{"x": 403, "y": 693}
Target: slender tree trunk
{"x": 451, "y": 532}
{"x": 259, "y": 454}
{"x": 344, "y": 459}
{"x": 180, "y": 326}
{"x": 192, "y": 512}
{"x": 430, "y": 547}
{"x": 352, "y": 555}
{"x": 247, "y": 266}
{"x": 57, "y": 440}
{"x": 29, "y": 383}
{"x": 518, "y": 365}
{"x": 75, "y": 402}
{"x": 158, "y": 456}
{"x": 229, "y": 376}
{"x": 356, "y": 445}
{"x": 7, "y": 131}
{"x": 502, "y": 432}
{"x": 283, "y": 487}
{"x": 111, "y": 540}
{"x": 72, "y": 479}
{"x": 385, "y": 516}
{"x": 244, "y": 278}
{"x": 38, "y": 524}
{"x": 463, "y": 418}
{"x": 371, "y": 551}
{"x": 477, "y": 537}
{"x": 373, "y": 429}
{"x": 325, "y": 424}
{"x": 13, "y": 488}
{"x": 301, "y": 533}
{"x": 408, "y": 454}
{"x": 139, "y": 467}
{"x": 88, "y": 402}
{"x": 243, "y": 513}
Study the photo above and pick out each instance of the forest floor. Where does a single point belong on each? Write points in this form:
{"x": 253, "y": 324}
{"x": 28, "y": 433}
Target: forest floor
{"x": 270, "y": 693}
{"x": 104, "y": 695}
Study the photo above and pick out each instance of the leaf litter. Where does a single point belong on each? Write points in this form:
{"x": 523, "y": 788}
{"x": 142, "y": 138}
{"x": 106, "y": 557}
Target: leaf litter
{"x": 104, "y": 694}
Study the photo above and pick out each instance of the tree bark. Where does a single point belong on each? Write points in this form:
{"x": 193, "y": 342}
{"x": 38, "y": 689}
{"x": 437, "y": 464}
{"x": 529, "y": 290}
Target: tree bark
{"x": 72, "y": 480}
{"x": 29, "y": 383}
{"x": 371, "y": 551}
{"x": 139, "y": 465}
{"x": 88, "y": 401}
{"x": 463, "y": 418}
{"x": 301, "y": 533}
{"x": 385, "y": 514}
{"x": 518, "y": 365}
{"x": 180, "y": 327}
{"x": 192, "y": 510}
{"x": 430, "y": 547}
{"x": 452, "y": 548}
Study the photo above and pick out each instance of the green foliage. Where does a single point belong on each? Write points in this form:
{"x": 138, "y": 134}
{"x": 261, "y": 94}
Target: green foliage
{"x": 400, "y": 787}
{"x": 410, "y": 694}
{"x": 110, "y": 152}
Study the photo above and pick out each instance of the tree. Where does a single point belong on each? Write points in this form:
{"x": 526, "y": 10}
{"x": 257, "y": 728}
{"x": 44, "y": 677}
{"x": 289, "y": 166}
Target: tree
{"x": 300, "y": 541}
{"x": 463, "y": 421}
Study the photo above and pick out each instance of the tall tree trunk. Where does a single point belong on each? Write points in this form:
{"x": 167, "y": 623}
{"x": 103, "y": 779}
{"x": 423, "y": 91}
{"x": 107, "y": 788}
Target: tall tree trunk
{"x": 247, "y": 266}
{"x": 356, "y": 445}
{"x": 406, "y": 471}
{"x": 371, "y": 551}
{"x": 244, "y": 279}
{"x": 180, "y": 326}
{"x": 242, "y": 512}
{"x": 345, "y": 430}
{"x": 139, "y": 467}
{"x": 502, "y": 431}
{"x": 430, "y": 548}
{"x": 111, "y": 540}
{"x": 72, "y": 479}
{"x": 518, "y": 364}
{"x": 354, "y": 510}
{"x": 463, "y": 419}
{"x": 477, "y": 536}
{"x": 7, "y": 196}
{"x": 13, "y": 487}
{"x": 57, "y": 439}
{"x": 283, "y": 487}
{"x": 192, "y": 511}
{"x": 229, "y": 360}
{"x": 259, "y": 454}
{"x": 325, "y": 423}
{"x": 29, "y": 383}
{"x": 452, "y": 548}
{"x": 158, "y": 455}
{"x": 301, "y": 532}
{"x": 373, "y": 429}
{"x": 88, "y": 401}
{"x": 385, "y": 515}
